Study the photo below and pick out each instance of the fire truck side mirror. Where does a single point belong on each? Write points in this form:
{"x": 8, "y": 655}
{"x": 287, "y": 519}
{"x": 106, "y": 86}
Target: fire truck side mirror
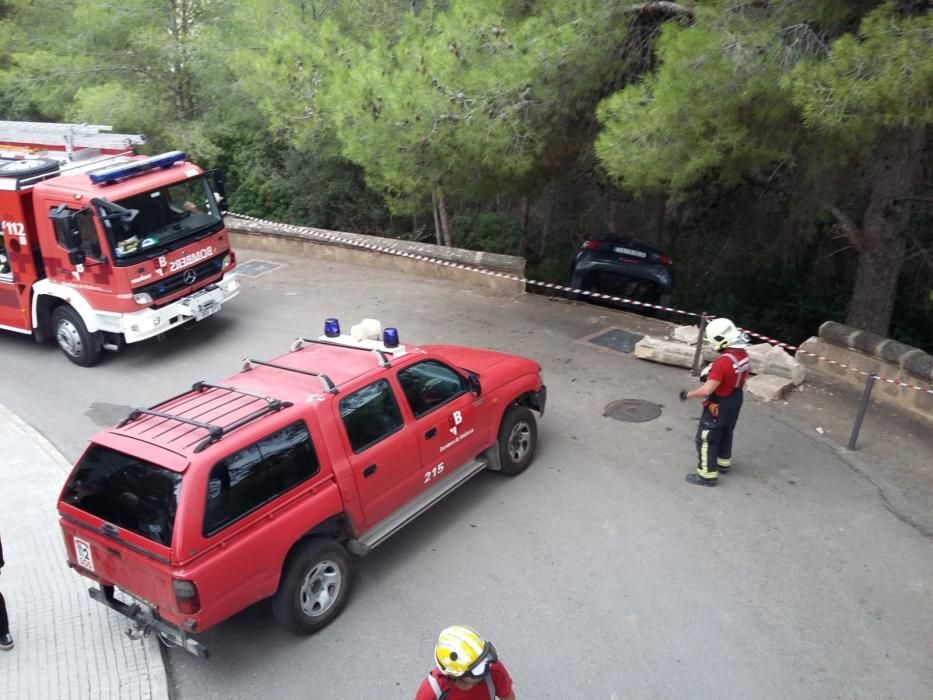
{"x": 67, "y": 232}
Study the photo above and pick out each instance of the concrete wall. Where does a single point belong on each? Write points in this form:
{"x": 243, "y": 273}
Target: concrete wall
{"x": 320, "y": 243}
{"x": 872, "y": 353}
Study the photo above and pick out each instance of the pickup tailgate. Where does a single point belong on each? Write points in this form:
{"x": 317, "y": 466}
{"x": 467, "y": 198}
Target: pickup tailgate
{"x": 118, "y": 518}
{"x": 116, "y": 561}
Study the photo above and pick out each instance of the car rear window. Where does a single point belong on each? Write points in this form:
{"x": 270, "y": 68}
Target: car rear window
{"x": 125, "y": 491}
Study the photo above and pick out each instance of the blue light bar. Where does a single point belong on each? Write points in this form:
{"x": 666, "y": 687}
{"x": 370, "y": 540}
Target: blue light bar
{"x": 105, "y": 176}
{"x": 332, "y": 328}
{"x": 390, "y": 337}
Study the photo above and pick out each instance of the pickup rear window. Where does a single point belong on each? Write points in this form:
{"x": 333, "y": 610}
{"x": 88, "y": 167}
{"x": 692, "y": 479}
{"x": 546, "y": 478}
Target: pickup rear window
{"x": 125, "y": 491}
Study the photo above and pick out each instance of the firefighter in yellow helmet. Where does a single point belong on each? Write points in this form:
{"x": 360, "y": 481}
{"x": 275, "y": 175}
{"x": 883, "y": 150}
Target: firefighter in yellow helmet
{"x": 468, "y": 668}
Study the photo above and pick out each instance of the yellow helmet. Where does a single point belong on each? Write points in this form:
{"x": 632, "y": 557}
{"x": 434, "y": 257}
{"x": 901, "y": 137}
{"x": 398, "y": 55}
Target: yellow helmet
{"x": 461, "y": 652}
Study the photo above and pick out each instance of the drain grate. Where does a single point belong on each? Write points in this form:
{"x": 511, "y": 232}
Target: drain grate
{"x": 255, "y": 268}
{"x": 632, "y": 410}
{"x": 617, "y": 339}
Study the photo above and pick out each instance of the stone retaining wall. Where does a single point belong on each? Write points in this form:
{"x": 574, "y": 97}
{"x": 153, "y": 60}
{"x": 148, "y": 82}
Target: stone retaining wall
{"x": 312, "y": 242}
{"x": 872, "y": 353}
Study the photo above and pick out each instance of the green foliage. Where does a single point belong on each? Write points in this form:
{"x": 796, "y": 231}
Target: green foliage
{"x": 883, "y": 76}
{"x": 491, "y": 232}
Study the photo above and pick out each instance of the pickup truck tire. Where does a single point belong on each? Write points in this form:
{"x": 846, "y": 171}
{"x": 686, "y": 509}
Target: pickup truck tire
{"x": 314, "y": 587}
{"x": 79, "y": 345}
{"x": 518, "y": 438}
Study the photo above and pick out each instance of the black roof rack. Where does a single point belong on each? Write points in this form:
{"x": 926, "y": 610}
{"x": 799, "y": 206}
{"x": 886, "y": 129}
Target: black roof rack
{"x": 381, "y": 357}
{"x": 329, "y": 385}
{"x": 215, "y": 432}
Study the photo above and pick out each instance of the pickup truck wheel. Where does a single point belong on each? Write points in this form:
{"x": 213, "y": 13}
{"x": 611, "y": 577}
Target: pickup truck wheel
{"x": 314, "y": 587}
{"x": 79, "y": 345}
{"x": 518, "y": 437}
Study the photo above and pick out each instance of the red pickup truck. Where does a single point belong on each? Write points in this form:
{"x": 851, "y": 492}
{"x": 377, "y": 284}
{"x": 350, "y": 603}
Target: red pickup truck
{"x": 264, "y": 484}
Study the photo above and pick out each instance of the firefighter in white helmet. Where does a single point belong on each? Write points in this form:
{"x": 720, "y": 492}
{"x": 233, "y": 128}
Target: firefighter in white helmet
{"x": 468, "y": 668}
{"x": 721, "y": 394}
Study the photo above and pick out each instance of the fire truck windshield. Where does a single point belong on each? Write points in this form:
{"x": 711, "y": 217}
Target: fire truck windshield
{"x": 167, "y": 218}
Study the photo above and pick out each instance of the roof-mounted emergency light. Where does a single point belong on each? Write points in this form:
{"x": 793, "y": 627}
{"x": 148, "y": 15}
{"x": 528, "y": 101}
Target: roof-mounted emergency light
{"x": 106, "y": 176}
{"x": 331, "y": 328}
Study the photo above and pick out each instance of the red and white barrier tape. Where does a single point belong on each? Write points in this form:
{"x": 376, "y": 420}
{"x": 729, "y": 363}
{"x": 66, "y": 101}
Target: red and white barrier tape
{"x": 337, "y": 238}
{"x": 796, "y": 349}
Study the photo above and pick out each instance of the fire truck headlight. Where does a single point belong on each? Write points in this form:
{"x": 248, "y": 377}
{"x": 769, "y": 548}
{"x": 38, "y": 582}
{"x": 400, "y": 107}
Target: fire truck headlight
{"x": 142, "y": 299}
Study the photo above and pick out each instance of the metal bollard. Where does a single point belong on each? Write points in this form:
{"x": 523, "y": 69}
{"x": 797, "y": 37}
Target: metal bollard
{"x": 696, "y": 357}
{"x": 863, "y": 404}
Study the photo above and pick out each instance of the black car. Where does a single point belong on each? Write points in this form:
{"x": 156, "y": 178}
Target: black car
{"x": 623, "y": 268}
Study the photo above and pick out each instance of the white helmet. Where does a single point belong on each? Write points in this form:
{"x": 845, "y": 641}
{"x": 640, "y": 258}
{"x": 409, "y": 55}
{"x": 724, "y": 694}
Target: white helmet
{"x": 722, "y": 334}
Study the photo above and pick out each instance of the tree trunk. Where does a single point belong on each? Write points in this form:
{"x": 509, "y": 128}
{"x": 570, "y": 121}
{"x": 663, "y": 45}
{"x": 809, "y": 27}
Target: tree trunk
{"x": 446, "y": 233}
{"x": 526, "y": 220}
{"x": 895, "y": 169}
{"x": 661, "y": 230}
{"x": 437, "y": 222}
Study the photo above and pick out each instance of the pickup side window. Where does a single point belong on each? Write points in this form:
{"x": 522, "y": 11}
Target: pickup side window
{"x": 370, "y": 415}
{"x": 125, "y": 491}
{"x": 255, "y": 475}
{"x": 430, "y": 384}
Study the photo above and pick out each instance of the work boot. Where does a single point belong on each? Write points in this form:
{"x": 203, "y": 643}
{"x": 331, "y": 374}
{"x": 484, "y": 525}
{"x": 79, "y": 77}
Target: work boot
{"x": 698, "y": 480}
{"x": 6, "y": 642}
{"x": 724, "y": 470}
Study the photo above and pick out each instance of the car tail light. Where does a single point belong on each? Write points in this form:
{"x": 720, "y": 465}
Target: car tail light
{"x": 666, "y": 260}
{"x": 186, "y": 596}
{"x": 590, "y": 245}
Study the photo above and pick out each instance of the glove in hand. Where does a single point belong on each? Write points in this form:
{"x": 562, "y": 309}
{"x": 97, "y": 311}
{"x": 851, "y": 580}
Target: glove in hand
{"x": 683, "y": 394}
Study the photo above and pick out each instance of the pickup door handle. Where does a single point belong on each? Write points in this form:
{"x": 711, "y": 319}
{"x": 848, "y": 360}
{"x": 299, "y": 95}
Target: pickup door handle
{"x": 430, "y": 433}
{"x": 370, "y": 470}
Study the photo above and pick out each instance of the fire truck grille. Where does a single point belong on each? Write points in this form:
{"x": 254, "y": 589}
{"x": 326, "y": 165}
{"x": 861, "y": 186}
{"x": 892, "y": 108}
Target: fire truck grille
{"x": 186, "y": 278}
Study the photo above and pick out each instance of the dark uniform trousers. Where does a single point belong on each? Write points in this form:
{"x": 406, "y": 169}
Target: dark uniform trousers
{"x": 714, "y": 434}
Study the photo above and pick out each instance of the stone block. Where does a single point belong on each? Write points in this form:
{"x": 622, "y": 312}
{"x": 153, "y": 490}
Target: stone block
{"x": 686, "y": 334}
{"x": 668, "y": 352}
{"x": 766, "y": 358}
{"x": 918, "y": 363}
{"x": 769, "y": 387}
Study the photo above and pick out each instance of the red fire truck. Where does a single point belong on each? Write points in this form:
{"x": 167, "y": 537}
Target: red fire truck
{"x": 100, "y": 246}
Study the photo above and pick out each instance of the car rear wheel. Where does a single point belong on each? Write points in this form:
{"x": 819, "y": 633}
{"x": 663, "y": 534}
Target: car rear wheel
{"x": 518, "y": 438}
{"x": 79, "y": 345}
{"x": 314, "y": 587}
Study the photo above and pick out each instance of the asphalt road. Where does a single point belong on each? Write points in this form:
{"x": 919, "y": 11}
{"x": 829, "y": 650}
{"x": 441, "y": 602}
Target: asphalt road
{"x": 599, "y": 573}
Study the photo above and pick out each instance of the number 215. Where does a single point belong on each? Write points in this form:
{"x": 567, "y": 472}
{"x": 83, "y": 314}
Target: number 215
{"x": 434, "y": 473}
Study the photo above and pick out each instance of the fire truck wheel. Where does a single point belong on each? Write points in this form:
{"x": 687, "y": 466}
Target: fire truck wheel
{"x": 518, "y": 437}
{"x": 79, "y": 345}
{"x": 314, "y": 586}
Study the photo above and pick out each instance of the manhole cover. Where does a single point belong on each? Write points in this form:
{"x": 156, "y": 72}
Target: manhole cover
{"x": 617, "y": 339}
{"x": 255, "y": 268}
{"x": 632, "y": 410}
